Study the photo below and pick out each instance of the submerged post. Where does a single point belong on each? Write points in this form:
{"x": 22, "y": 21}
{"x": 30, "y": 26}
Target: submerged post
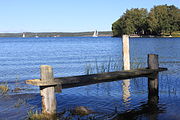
{"x": 153, "y": 78}
{"x": 47, "y": 92}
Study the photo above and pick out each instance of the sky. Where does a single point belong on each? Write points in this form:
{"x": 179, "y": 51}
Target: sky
{"x": 67, "y": 15}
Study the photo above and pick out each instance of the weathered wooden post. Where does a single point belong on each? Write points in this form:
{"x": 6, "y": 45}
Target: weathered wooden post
{"x": 153, "y": 97}
{"x": 125, "y": 50}
{"x": 126, "y": 66}
{"x": 48, "y": 92}
{"x": 153, "y": 79}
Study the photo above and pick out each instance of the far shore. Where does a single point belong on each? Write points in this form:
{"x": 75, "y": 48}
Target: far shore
{"x": 56, "y": 34}
{"x": 76, "y": 34}
{"x": 152, "y": 36}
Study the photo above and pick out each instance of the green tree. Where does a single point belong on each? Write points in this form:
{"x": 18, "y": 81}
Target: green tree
{"x": 117, "y": 28}
{"x": 173, "y": 19}
{"x": 163, "y": 19}
{"x": 132, "y": 22}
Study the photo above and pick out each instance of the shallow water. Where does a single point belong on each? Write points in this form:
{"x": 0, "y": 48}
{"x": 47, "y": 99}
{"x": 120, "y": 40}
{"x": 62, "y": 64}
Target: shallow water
{"x": 20, "y": 59}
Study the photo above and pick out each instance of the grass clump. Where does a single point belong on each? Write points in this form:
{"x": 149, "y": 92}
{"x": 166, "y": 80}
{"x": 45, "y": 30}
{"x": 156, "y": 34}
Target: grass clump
{"x": 40, "y": 116}
{"x": 4, "y": 88}
{"x": 102, "y": 66}
{"x": 77, "y": 113}
{"x": 111, "y": 65}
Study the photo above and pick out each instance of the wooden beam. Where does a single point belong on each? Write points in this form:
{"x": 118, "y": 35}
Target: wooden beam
{"x": 75, "y": 81}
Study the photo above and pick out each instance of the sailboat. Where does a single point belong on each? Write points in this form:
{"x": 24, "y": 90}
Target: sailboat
{"x": 36, "y": 36}
{"x": 24, "y": 35}
{"x": 95, "y": 33}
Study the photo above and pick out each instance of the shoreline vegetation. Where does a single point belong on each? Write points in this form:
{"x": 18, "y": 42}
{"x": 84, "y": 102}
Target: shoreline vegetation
{"x": 80, "y": 34}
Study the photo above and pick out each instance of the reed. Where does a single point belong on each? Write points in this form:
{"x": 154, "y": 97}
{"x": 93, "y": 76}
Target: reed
{"x": 101, "y": 67}
{"x": 110, "y": 65}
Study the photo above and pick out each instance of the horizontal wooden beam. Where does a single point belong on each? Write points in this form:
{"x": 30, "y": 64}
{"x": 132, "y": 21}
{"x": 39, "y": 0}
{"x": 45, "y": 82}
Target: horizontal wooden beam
{"x": 39, "y": 82}
{"x": 75, "y": 81}
{"x": 69, "y": 82}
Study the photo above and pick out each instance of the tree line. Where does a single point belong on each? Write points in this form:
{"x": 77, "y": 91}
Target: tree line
{"x": 161, "y": 19}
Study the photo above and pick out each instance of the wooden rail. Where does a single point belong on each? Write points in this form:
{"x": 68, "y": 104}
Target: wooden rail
{"x": 48, "y": 84}
{"x": 75, "y": 81}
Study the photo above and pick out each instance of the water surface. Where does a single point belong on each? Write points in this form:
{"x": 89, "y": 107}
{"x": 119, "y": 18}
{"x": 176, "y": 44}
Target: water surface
{"x": 20, "y": 59}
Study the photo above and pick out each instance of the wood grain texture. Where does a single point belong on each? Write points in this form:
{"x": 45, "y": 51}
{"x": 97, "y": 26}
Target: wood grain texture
{"x": 75, "y": 81}
{"x": 126, "y": 52}
{"x": 153, "y": 78}
{"x": 47, "y": 92}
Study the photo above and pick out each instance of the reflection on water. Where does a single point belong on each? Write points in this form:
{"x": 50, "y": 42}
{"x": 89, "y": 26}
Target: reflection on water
{"x": 126, "y": 91}
{"x": 149, "y": 110}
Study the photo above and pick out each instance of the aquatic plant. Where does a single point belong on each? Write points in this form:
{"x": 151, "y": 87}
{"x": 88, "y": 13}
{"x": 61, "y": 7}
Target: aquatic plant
{"x": 137, "y": 63}
{"x": 110, "y": 65}
{"x": 4, "y": 88}
{"x": 81, "y": 110}
{"x": 101, "y": 67}
{"x": 64, "y": 115}
{"x": 19, "y": 103}
{"x": 36, "y": 115}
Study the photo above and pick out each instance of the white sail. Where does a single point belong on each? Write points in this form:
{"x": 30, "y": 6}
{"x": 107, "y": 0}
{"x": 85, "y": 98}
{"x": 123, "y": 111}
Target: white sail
{"x": 95, "y": 33}
{"x": 24, "y": 35}
{"x": 36, "y": 36}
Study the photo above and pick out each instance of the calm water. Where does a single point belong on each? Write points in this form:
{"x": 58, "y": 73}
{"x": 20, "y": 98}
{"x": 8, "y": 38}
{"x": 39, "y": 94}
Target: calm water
{"x": 20, "y": 59}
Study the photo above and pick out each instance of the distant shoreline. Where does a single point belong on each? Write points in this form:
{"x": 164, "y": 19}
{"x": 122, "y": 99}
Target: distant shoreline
{"x": 152, "y": 36}
{"x": 74, "y": 34}
{"x": 56, "y": 34}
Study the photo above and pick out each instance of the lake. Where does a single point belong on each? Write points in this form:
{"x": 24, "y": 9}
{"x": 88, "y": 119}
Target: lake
{"x": 20, "y": 60}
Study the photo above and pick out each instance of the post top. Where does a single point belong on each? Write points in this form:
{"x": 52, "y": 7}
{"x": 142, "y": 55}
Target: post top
{"x": 45, "y": 66}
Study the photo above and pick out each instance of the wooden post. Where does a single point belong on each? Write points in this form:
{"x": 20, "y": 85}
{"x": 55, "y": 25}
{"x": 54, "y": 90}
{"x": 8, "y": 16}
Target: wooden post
{"x": 126, "y": 56}
{"x": 153, "y": 78}
{"x": 153, "y": 61}
{"x": 126, "y": 66}
{"x": 47, "y": 92}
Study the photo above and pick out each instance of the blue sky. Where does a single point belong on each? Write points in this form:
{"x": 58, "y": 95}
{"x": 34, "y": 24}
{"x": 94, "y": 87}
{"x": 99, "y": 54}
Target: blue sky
{"x": 67, "y": 15}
